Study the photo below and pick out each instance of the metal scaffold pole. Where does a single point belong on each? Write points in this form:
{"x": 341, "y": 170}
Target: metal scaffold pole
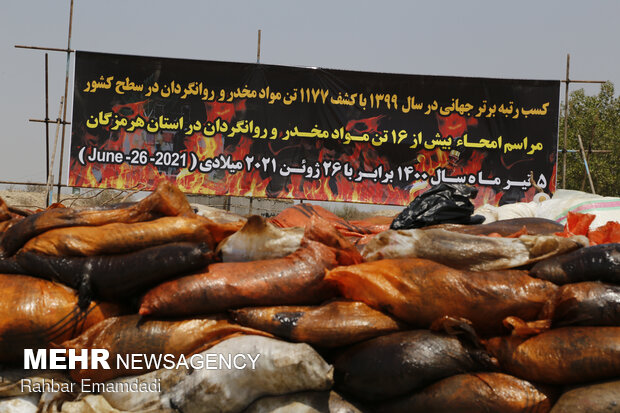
{"x": 64, "y": 114}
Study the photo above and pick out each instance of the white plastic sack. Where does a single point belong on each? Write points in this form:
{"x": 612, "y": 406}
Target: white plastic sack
{"x": 306, "y": 402}
{"x": 216, "y": 214}
{"x": 20, "y": 404}
{"x": 493, "y": 213}
{"x": 91, "y": 403}
{"x": 605, "y": 209}
{"x": 260, "y": 240}
{"x": 470, "y": 252}
{"x": 281, "y": 368}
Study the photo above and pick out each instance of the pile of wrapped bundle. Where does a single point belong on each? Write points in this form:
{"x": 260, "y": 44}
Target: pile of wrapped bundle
{"x": 305, "y": 312}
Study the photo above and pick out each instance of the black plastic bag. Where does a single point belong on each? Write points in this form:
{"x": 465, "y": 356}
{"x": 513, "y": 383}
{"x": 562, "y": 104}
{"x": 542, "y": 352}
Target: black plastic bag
{"x": 445, "y": 203}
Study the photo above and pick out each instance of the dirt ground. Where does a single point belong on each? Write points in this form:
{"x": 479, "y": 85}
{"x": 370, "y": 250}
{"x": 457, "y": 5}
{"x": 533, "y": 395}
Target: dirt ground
{"x": 23, "y": 199}
{"x": 33, "y": 200}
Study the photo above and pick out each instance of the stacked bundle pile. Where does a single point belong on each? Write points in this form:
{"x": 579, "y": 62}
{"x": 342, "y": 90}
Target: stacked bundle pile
{"x": 445, "y": 318}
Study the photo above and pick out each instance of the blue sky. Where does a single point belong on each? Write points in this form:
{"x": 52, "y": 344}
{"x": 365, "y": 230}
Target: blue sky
{"x": 483, "y": 38}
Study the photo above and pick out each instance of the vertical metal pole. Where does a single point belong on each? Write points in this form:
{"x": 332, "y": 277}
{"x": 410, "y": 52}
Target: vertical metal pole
{"x": 258, "y": 50}
{"x": 565, "y": 122}
{"x": 585, "y": 163}
{"x": 257, "y": 61}
{"x": 50, "y": 177}
{"x": 64, "y": 114}
{"x": 47, "y": 127}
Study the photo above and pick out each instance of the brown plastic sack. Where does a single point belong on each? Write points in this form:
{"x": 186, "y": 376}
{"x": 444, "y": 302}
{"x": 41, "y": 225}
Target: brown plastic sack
{"x": 301, "y": 214}
{"x": 566, "y": 355}
{"x": 117, "y": 276}
{"x": 584, "y": 304}
{"x": 166, "y": 200}
{"x": 507, "y": 227}
{"x": 597, "y": 397}
{"x": 322, "y": 231}
{"x": 5, "y": 214}
{"x": 473, "y": 393}
{"x": 297, "y": 278}
{"x": 399, "y": 363}
{"x": 419, "y": 291}
{"x": 36, "y": 313}
{"x": 333, "y": 324}
{"x": 128, "y": 335}
{"x": 596, "y": 263}
{"x": 121, "y": 237}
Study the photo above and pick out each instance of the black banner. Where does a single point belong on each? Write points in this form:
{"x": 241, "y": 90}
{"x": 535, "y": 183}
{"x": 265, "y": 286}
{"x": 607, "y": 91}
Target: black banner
{"x": 286, "y": 132}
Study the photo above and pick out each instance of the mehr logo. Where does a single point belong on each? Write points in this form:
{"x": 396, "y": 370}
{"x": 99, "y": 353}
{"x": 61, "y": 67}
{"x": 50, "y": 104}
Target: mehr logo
{"x": 60, "y": 359}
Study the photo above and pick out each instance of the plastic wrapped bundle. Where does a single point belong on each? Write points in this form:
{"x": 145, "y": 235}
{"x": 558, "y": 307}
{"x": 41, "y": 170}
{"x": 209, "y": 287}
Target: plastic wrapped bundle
{"x": 596, "y": 263}
{"x": 445, "y": 203}
{"x": 279, "y": 368}
{"x": 586, "y": 304}
{"x": 566, "y": 355}
{"x": 420, "y": 291}
{"x": 259, "y": 239}
{"x": 597, "y": 397}
{"x": 129, "y": 335}
{"x": 507, "y": 227}
{"x": 306, "y": 402}
{"x": 333, "y": 324}
{"x": 301, "y": 215}
{"x": 297, "y": 278}
{"x": 36, "y": 313}
{"x": 120, "y": 237}
{"x": 166, "y": 200}
{"x": 5, "y": 214}
{"x": 475, "y": 392}
{"x": 471, "y": 252}
{"x": 399, "y": 363}
{"x": 118, "y": 276}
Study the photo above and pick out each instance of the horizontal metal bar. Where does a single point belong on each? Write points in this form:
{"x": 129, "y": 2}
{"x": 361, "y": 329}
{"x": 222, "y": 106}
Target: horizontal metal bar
{"x": 52, "y": 49}
{"x": 24, "y": 183}
{"x": 49, "y": 121}
{"x": 583, "y": 81}
{"x": 589, "y": 151}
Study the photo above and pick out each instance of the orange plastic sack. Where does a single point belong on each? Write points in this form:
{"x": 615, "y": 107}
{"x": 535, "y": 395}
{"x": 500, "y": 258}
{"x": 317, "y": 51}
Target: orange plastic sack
{"x": 166, "y": 200}
{"x": 301, "y": 214}
{"x": 36, "y": 313}
{"x": 566, "y": 355}
{"x": 419, "y": 291}
{"x": 296, "y": 279}
{"x": 333, "y": 324}
{"x": 475, "y": 392}
{"x": 607, "y": 234}
{"x": 579, "y": 224}
{"x": 129, "y": 335}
